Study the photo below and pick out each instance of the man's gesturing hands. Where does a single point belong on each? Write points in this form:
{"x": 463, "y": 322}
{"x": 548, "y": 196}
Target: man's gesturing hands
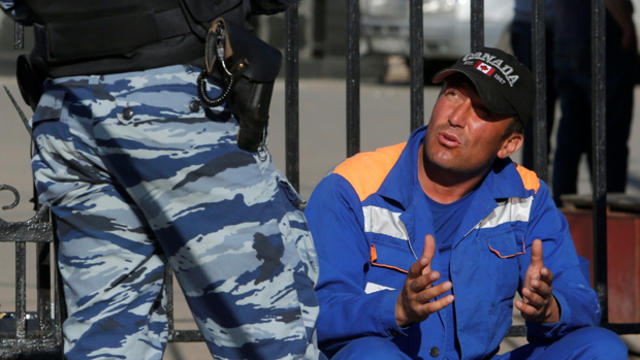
{"x": 538, "y": 303}
{"x": 415, "y": 301}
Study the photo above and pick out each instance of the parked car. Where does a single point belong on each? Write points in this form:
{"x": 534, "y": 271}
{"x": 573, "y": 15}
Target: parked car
{"x": 446, "y": 25}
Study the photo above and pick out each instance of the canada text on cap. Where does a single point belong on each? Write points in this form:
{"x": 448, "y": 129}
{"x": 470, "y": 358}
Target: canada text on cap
{"x": 505, "y": 85}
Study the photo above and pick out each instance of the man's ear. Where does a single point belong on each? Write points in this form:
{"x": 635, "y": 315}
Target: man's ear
{"x": 510, "y": 145}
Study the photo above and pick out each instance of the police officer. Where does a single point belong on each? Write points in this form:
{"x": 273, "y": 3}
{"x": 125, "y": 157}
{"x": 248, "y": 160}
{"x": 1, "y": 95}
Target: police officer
{"x": 140, "y": 175}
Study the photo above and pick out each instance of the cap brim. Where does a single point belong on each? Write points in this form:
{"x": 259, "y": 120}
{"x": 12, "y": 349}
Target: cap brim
{"x": 443, "y": 74}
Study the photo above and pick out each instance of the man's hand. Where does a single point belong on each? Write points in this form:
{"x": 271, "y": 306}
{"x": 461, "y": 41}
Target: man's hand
{"x": 415, "y": 301}
{"x": 538, "y": 303}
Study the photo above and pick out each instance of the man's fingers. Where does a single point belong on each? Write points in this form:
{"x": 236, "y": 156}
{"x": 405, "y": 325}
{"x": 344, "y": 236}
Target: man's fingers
{"x": 526, "y": 310}
{"x": 415, "y": 270}
{"x": 536, "y": 254}
{"x": 429, "y": 250}
{"x": 436, "y": 305}
{"x": 541, "y": 287}
{"x": 441, "y": 303}
{"x": 433, "y": 292}
{"x": 424, "y": 281}
{"x": 532, "y": 298}
{"x": 546, "y": 275}
{"x": 423, "y": 265}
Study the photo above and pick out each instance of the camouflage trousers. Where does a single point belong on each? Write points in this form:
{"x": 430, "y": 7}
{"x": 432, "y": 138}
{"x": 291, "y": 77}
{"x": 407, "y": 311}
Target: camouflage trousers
{"x": 139, "y": 175}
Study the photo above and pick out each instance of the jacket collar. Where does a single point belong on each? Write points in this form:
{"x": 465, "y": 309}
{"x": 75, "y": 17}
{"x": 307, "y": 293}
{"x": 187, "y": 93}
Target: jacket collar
{"x": 399, "y": 184}
{"x": 502, "y": 181}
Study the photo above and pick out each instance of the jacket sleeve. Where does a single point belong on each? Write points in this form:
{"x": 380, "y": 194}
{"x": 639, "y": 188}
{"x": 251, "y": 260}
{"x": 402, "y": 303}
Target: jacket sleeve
{"x": 335, "y": 218}
{"x": 578, "y": 302}
{"x": 17, "y": 10}
{"x": 267, "y": 7}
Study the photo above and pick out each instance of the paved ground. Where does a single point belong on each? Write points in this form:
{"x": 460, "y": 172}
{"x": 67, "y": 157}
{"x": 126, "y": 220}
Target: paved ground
{"x": 384, "y": 120}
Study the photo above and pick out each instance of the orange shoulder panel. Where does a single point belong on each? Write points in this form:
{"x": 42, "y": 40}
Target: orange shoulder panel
{"x": 366, "y": 171}
{"x": 529, "y": 178}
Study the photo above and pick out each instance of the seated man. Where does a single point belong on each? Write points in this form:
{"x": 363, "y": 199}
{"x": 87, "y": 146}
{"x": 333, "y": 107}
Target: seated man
{"x": 485, "y": 227}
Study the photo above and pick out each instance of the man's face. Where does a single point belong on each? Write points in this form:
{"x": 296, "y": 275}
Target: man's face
{"x": 464, "y": 137}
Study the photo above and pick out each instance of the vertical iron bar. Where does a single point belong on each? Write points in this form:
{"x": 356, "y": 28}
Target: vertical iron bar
{"x": 319, "y": 27}
{"x": 353, "y": 77}
{"x": 477, "y": 24}
{"x": 60, "y": 311}
{"x": 538, "y": 50}
{"x": 43, "y": 286}
{"x": 292, "y": 128}
{"x": 18, "y": 36}
{"x": 168, "y": 292}
{"x": 416, "y": 63}
{"x": 21, "y": 290}
{"x": 599, "y": 151}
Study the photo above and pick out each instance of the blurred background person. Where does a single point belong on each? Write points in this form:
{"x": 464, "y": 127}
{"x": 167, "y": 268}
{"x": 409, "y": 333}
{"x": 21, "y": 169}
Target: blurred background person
{"x": 572, "y": 23}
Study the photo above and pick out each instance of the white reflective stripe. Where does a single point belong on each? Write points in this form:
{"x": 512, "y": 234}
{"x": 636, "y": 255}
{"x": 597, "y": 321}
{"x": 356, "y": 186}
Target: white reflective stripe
{"x": 373, "y": 287}
{"x": 513, "y": 209}
{"x": 384, "y": 221}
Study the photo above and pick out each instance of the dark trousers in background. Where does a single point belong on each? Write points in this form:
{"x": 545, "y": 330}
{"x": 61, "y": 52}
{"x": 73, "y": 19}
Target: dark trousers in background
{"x": 573, "y": 75}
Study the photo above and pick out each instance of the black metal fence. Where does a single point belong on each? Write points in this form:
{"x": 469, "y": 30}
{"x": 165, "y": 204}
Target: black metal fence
{"x": 38, "y": 335}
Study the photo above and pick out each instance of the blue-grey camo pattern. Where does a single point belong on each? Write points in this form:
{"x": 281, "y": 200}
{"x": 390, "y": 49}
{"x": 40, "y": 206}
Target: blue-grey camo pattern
{"x": 7, "y": 6}
{"x": 138, "y": 176}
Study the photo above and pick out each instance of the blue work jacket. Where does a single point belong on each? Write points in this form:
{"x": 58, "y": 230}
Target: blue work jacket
{"x": 369, "y": 229}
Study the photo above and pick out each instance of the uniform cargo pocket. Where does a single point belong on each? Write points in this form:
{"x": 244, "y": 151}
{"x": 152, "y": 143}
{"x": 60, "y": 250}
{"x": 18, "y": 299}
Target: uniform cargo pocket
{"x": 390, "y": 258}
{"x": 506, "y": 245}
{"x": 387, "y": 268}
{"x": 49, "y": 106}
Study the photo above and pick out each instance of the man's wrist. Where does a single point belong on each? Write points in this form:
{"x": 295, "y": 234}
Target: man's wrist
{"x": 552, "y": 313}
{"x": 402, "y": 320}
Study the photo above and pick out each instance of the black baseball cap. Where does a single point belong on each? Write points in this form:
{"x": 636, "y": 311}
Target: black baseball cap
{"x": 505, "y": 85}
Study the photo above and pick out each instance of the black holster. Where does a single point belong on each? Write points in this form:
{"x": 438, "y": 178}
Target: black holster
{"x": 248, "y": 67}
{"x": 30, "y": 80}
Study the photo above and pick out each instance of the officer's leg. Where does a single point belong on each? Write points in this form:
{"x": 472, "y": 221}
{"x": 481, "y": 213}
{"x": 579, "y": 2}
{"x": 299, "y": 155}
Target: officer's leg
{"x": 111, "y": 272}
{"x": 370, "y": 348}
{"x": 590, "y": 343}
{"x": 226, "y": 219}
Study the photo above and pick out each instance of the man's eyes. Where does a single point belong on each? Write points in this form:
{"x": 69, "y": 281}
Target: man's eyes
{"x": 452, "y": 93}
{"x": 482, "y": 111}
